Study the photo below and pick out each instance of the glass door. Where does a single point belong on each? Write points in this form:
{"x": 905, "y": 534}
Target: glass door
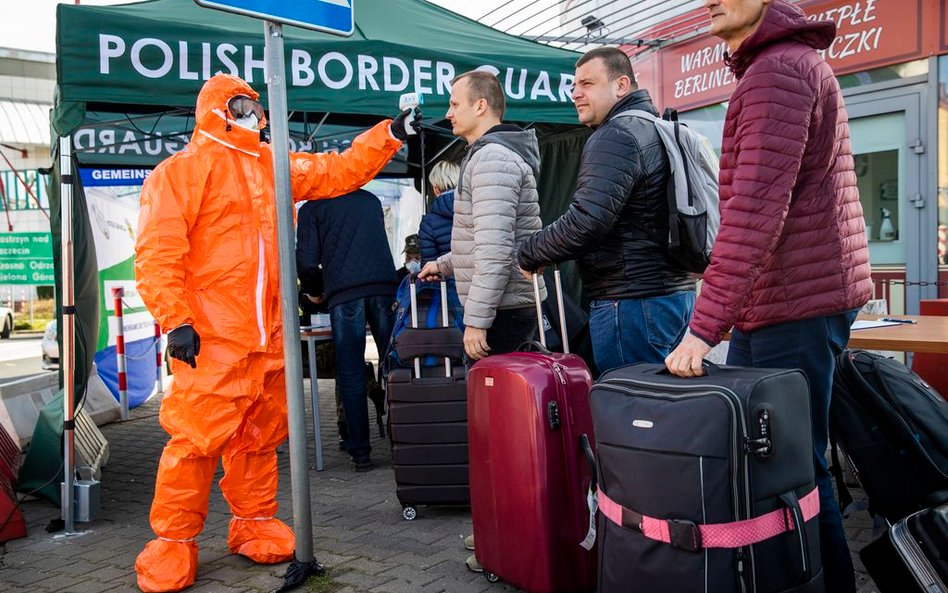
{"x": 889, "y": 151}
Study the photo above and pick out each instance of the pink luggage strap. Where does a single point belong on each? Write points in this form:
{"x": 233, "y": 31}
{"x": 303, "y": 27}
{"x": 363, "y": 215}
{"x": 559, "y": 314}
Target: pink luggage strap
{"x": 689, "y": 536}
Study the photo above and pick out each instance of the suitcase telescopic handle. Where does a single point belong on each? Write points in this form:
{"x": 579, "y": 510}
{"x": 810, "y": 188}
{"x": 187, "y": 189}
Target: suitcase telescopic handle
{"x": 590, "y": 459}
{"x": 560, "y": 307}
{"x": 445, "y": 322}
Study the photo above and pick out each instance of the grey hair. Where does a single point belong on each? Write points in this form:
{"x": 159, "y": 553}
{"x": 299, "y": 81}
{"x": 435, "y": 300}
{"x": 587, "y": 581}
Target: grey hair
{"x": 444, "y": 175}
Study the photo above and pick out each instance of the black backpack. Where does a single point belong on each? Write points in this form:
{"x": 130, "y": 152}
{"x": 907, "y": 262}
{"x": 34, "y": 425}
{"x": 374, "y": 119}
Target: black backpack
{"x": 893, "y": 426}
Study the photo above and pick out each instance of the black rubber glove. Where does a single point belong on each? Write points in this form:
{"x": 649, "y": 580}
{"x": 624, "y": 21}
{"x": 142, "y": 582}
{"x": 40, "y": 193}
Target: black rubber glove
{"x": 412, "y": 116}
{"x": 184, "y": 344}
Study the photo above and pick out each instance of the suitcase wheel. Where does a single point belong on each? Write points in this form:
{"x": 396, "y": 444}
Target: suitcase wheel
{"x": 409, "y": 513}
{"x": 491, "y": 577}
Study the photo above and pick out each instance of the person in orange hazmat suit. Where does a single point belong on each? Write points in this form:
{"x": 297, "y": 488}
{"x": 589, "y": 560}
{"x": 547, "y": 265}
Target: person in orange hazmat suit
{"x": 207, "y": 268}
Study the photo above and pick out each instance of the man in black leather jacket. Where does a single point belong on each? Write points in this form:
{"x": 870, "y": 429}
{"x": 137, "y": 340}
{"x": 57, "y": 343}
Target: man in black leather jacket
{"x": 617, "y": 225}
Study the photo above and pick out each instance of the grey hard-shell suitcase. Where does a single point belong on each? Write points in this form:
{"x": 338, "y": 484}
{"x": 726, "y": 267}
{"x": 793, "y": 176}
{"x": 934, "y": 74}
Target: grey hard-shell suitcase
{"x": 912, "y": 555}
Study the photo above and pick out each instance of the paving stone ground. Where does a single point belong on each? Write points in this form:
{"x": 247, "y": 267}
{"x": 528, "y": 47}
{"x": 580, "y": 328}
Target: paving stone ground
{"x": 358, "y": 530}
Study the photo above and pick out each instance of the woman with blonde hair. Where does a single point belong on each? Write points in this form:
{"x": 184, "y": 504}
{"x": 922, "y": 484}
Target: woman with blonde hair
{"x": 434, "y": 233}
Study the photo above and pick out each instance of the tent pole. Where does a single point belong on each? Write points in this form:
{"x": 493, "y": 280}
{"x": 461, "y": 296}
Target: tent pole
{"x": 304, "y": 563}
{"x": 68, "y": 358}
{"x": 424, "y": 175}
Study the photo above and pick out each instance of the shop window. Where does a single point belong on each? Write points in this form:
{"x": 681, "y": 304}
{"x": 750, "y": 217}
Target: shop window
{"x": 708, "y": 121}
{"x": 893, "y": 72}
{"x": 878, "y": 154}
{"x": 877, "y": 175}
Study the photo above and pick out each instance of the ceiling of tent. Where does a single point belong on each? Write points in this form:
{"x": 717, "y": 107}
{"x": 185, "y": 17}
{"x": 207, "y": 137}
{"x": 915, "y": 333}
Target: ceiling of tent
{"x": 156, "y": 54}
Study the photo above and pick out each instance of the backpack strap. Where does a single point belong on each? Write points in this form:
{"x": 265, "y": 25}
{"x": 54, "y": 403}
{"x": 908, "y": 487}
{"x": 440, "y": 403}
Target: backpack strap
{"x": 692, "y": 537}
{"x": 674, "y": 239}
{"x": 836, "y": 470}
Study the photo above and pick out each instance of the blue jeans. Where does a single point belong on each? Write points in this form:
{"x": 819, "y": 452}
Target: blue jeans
{"x": 348, "y": 332}
{"x": 627, "y": 331}
{"x": 811, "y": 345}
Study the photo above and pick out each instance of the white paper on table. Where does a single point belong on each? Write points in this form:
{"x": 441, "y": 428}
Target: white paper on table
{"x": 868, "y": 324}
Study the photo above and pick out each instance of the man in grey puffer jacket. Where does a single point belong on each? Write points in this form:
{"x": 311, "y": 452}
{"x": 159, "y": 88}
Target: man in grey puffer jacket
{"x": 496, "y": 207}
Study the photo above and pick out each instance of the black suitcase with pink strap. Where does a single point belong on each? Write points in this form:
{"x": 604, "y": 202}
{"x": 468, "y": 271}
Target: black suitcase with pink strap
{"x": 704, "y": 483}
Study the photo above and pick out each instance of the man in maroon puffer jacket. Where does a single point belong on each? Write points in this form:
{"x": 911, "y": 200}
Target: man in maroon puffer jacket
{"x": 789, "y": 268}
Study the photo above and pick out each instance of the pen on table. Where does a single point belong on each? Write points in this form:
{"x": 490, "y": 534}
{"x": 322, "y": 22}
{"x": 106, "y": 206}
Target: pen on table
{"x": 895, "y": 320}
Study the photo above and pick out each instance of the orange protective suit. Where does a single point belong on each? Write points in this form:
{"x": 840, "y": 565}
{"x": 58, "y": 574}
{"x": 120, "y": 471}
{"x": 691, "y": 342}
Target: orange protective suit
{"x": 206, "y": 255}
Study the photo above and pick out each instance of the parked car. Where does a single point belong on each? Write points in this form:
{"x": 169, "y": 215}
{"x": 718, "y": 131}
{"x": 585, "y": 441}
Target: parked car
{"x": 51, "y": 347}
{"x": 6, "y": 313}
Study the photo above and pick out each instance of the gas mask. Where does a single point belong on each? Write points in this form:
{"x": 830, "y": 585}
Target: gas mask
{"x": 245, "y": 112}
{"x": 250, "y": 122}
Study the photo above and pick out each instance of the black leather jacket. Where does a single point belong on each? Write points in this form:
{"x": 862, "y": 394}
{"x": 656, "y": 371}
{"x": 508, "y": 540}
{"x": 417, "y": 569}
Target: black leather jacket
{"x": 617, "y": 225}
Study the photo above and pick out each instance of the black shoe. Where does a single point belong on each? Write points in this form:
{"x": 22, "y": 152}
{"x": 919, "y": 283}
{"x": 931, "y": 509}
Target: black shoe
{"x": 362, "y": 465}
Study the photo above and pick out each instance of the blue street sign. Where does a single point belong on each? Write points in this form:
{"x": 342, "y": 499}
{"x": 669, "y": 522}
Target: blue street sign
{"x": 329, "y": 16}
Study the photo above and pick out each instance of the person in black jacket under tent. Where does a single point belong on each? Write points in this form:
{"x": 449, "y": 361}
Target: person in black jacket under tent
{"x": 347, "y": 237}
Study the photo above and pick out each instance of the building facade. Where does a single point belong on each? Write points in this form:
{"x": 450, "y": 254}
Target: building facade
{"x": 891, "y": 58}
{"x": 27, "y": 85}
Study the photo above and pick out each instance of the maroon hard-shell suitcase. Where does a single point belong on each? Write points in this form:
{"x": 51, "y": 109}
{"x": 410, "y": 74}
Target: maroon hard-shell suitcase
{"x": 527, "y": 413}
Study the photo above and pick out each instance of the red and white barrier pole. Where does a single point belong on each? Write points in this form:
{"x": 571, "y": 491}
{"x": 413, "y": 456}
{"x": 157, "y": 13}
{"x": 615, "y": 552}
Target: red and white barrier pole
{"x": 161, "y": 387}
{"x": 117, "y": 294}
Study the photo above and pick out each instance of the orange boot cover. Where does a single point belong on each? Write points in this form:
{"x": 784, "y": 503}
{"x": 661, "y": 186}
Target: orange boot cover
{"x": 178, "y": 511}
{"x": 250, "y": 470}
{"x": 265, "y": 541}
{"x": 167, "y": 566}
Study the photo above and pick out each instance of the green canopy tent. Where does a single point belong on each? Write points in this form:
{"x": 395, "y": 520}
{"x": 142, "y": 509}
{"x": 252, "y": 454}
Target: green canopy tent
{"x": 159, "y": 52}
{"x": 133, "y": 66}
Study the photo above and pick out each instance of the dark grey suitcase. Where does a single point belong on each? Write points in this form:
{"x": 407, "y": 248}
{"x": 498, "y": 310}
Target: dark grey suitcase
{"x": 427, "y": 415}
{"x": 680, "y": 461}
{"x": 912, "y": 555}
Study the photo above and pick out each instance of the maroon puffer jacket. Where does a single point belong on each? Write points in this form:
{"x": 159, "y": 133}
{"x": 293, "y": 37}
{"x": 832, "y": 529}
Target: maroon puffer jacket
{"x": 792, "y": 243}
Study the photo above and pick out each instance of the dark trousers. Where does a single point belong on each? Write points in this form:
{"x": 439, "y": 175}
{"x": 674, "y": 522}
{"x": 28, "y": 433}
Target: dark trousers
{"x": 811, "y": 345}
{"x": 348, "y": 332}
{"x": 511, "y": 328}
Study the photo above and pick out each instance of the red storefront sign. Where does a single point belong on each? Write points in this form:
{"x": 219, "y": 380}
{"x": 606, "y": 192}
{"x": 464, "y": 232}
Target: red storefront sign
{"x": 870, "y": 34}
{"x": 943, "y": 27}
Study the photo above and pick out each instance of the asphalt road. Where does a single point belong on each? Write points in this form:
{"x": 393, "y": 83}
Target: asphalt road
{"x": 21, "y": 356}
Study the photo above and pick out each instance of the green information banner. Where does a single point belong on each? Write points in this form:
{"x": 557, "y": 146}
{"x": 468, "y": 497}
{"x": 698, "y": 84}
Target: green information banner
{"x": 26, "y": 258}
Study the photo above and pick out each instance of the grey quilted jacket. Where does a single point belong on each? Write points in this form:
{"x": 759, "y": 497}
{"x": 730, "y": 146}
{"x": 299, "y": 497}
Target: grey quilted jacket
{"x": 496, "y": 207}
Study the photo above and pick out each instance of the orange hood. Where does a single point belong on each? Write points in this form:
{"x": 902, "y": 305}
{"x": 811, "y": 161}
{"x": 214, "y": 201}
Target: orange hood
{"x": 211, "y": 116}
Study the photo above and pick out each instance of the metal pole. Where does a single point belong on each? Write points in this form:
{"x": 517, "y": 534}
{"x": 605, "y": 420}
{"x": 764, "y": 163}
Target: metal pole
{"x": 445, "y": 322}
{"x": 424, "y": 171}
{"x": 536, "y": 296}
{"x": 562, "y": 309}
{"x": 295, "y": 408}
{"x": 413, "y": 292}
{"x": 117, "y": 294}
{"x": 68, "y": 329}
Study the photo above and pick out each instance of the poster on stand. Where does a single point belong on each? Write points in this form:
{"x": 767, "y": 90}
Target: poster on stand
{"x": 112, "y": 197}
